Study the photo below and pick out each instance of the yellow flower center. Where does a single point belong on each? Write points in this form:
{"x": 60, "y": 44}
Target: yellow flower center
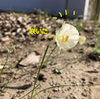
{"x": 62, "y": 38}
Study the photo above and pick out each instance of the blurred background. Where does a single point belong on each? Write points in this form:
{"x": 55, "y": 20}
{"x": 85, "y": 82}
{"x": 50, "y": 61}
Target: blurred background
{"x": 88, "y": 9}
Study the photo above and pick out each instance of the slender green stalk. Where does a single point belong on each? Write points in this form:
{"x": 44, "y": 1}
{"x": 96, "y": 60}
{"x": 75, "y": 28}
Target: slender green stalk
{"x": 39, "y": 71}
{"x": 49, "y": 56}
{"x": 66, "y": 86}
{"x": 38, "y": 95}
{"x": 29, "y": 92}
{"x": 61, "y": 86}
{"x": 5, "y": 86}
{"x": 6, "y": 60}
{"x": 51, "y": 53}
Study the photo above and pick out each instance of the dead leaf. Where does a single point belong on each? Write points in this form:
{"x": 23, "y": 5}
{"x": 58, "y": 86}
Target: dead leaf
{"x": 31, "y": 59}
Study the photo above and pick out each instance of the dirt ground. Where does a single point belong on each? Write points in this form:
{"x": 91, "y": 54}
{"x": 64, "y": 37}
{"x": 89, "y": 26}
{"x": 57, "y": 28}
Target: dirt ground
{"x": 78, "y": 68}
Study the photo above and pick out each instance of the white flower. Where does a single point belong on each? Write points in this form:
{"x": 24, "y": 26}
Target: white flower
{"x": 67, "y": 37}
{"x": 82, "y": 39}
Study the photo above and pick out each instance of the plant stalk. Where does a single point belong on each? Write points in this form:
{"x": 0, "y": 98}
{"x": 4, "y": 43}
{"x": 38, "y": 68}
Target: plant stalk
{"x": 39, "y": 71}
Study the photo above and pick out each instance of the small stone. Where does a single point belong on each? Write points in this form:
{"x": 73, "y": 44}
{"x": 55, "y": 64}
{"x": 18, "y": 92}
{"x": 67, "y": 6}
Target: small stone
{"x": 1, "y": 67}
{"x": 40, "y": 35}
{"x": 18, "y": 30}
{"x": 42, "y": 78}
{"x": 47, "y": 19}
{"x": 28, "y": 27}
{"x": 83, "y": 79}
{"x": 86, "y": 29}
{"x": 48, "y": 28}
{"x": 53, "y": 85}
{"x": 55, "y": 63}
{"x": 14, "y": 98}
{"x": 7, "y": 33}
{"x": 18, "y": 26}
{"x": 49, "y": 98}
{"x": 91, "y": 82}
{"x": 46, "y": 36}
{"x": 70, "y": 50}
{"x": 73, "y": 82}
{"x": 65, "y": 82}
{"x": 12, "y": 18}
{"x": 13, "y": 33}
{"x": 24, "y": 30}
{"x": 56, "y": 89}
{"x": 84, "y": 82}
{"x": 90, "y": 28}
{"x": 77, "y": 84}
{"x": 8, "y": 25}
{"x": 92, "y": 44}
{"x": 20, "y": 19}
{"x": 5, "y": 39}
{"x": 69, "y": 89}
{"x": 35, "y": 76}
{"x": 59, "y": 89}
{"x": 59, "y": 21}
{"x": 84, "y": 94}
{"x": 42, "y": 22}
{"x": 81, "y": 50}
{"x": 5, "y": 29}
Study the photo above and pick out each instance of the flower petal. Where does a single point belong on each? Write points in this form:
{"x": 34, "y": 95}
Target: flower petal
{"x": 67, "y": 37}
{"x": 82, "y": 39}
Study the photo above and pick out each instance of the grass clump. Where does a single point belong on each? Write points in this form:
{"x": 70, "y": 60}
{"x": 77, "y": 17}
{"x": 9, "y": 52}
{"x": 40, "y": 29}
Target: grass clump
{"x": 79, "y": 27}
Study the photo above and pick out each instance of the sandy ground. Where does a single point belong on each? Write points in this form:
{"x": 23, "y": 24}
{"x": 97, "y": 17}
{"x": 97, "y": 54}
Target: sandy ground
{"x": 78, "y": 68}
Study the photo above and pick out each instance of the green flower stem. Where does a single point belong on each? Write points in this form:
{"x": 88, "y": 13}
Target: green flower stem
{"x": 29, "y": 92}
{"x": 51, "y": 42}
{"x": 67, "y": 86}
{"x": 39, "y": 71}
{"x": 5, "y": 86}
{"x": 45, "y": 63}
{"x": 6, "y": 60}
{"x": 62, "y": 86}
{"x": 38, "y": 95}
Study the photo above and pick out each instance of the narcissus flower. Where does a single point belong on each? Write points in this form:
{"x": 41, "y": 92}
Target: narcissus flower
{"x": 82, "y": 39}
{"x": 67, "y": 37}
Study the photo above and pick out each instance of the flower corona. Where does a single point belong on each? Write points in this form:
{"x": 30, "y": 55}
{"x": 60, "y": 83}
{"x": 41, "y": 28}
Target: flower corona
{"x": 62, "y": 38}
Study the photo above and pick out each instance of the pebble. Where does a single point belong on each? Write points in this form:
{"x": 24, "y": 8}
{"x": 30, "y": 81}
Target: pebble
{"x": 18, "y": 30}
{"x": 5, "y": 39}
{"x": 49, "y": 97}
{"x": 83, "y": 79}
{"x": 7, "y": 33}
{"x": 14, "y": 98}
{"x": 56, "y": 89}
{"x": 84, "y": 94}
